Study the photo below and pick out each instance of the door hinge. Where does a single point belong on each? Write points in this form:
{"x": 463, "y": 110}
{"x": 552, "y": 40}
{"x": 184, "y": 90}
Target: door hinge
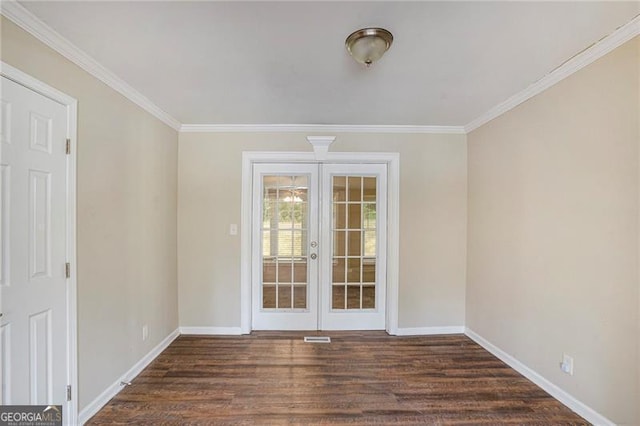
{"x": 68, "y": 392}
{"x": 68, "y": 147}
{"x": 67, "y": 270}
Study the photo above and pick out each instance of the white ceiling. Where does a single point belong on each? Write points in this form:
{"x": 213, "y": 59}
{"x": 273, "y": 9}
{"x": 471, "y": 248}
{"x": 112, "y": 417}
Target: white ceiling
{"x": 285, "y": 63}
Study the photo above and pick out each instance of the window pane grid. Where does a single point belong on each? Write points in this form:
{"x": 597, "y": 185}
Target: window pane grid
{"x": 354, "y": 242}
{"x": 284, "y": 241}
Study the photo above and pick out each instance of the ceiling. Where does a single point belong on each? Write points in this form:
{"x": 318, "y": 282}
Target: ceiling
{"x": 268, "y": 62}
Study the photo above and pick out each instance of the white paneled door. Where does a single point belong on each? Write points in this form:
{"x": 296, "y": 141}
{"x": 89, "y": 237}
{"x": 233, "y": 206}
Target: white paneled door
{"x": 33, "y": 326}
{"x": 319, "y": 246}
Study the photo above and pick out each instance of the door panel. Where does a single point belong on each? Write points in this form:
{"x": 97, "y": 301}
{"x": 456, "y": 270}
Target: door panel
{"x": 285, "y": 277}
{"x": 33, "y": 332}
{"x": 354, "y": 269}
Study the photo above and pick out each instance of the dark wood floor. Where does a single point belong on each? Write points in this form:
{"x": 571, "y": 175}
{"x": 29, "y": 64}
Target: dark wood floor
{"x": 359, "y": 378}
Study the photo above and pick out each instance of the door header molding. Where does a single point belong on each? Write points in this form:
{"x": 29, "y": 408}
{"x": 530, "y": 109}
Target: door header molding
{"x": 321, "y": 145}
{"x": 250, "y": 157}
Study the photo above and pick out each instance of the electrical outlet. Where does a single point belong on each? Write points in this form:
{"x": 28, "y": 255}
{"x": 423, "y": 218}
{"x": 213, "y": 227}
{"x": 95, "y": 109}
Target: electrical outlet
{"x": 567, "y": 364}
{"x": 145, "y": 332}
{"x": 233, "y": 229}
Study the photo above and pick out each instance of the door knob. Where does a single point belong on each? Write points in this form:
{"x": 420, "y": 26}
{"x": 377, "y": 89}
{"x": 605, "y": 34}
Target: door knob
{"x": 314, "y": 244}
{"x": 314, "y": 256}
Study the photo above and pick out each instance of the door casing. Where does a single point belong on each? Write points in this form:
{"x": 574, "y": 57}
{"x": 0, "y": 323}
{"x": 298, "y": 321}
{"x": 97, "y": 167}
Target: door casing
{"x": 391, "y": 159}
{"x": 70, "y": 411}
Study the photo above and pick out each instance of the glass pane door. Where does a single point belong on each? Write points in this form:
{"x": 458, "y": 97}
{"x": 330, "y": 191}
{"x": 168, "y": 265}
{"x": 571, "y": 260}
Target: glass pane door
{"x": 353, "y": 272}
{"x": 285, "y": 213}
{"x": 310, "y": 273}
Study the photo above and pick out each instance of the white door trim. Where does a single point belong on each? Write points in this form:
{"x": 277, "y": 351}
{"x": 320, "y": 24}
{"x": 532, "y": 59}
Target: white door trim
{"x": 14, "y": 74}
{"x": 392, "y": 159}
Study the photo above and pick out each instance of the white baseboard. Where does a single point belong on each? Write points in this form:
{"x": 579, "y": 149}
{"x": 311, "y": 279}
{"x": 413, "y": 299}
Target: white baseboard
{"x": 575, "y": 405}
{"x": 95, "y": 405}
{"x": 212, "y": 331}
{"x": 428, "y": 331}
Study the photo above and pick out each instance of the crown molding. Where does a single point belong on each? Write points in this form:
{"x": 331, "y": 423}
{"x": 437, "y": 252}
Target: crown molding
{"x": 317, "y": 128}
{"x": 34, "y": 26}
{"x": 569, "y": 67}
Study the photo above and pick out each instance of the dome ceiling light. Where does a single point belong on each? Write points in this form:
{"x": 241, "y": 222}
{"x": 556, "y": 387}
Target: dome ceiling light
{"x": 368, "y": 44}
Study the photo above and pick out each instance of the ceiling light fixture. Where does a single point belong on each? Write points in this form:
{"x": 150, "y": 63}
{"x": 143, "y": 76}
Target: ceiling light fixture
{"x": 368, "y": 44}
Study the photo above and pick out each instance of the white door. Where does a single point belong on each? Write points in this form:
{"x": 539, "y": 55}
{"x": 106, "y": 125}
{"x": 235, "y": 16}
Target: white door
{"x": 33, "y": 326}
{"x": 285, "y": 226}
{"x": 354, "y": 238}
{"x": 318, "y": 246}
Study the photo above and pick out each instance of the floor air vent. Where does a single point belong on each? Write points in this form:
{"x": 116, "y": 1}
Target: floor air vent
{"x": 317, "y": 339}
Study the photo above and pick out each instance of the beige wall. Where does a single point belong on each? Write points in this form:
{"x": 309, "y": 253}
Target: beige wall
{"x": 553, "y": 233}
{"x": 432, "y": 222}
{"x": 127, "y": 171}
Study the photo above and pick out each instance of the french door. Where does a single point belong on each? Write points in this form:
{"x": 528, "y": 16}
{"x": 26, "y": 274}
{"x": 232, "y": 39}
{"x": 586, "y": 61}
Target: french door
{"x": 319, "y": 246}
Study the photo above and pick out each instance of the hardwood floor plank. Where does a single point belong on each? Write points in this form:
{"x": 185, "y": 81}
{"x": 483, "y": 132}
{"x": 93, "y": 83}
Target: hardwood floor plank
{"x": 359, "y": 378}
